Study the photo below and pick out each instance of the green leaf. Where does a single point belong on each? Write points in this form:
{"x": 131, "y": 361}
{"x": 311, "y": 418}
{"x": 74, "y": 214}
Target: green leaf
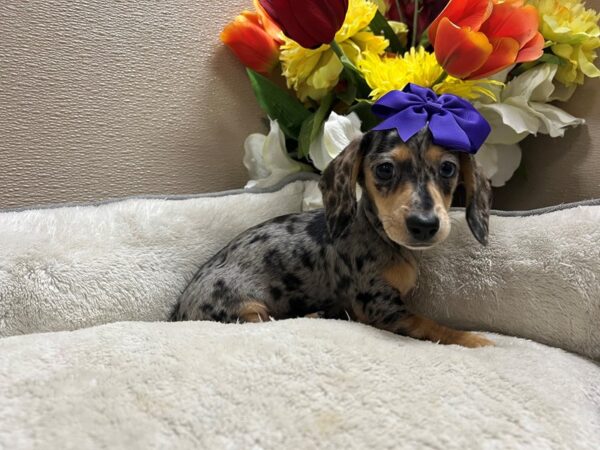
{"x": 357, "y": 86}
{"x": 304, "y": 140}
{"x": 278, "y": 104}
{"x": 311, "y": 127}
{"x": 348, "y": 65}
{"x": 320, "y": 116}
{"x": 424, "y": 42}
{"x": 551, "y": 59}
{"x": 379, "y": 25}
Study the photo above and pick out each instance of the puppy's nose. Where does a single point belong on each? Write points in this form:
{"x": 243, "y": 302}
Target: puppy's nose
{"x": 423, "y": 226}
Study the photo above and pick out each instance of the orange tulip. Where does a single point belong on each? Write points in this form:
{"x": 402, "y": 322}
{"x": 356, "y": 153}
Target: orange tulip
{"x": 477, "y": 38}
{"x": 254, "y": 46}
{"x": 267, "y": 23}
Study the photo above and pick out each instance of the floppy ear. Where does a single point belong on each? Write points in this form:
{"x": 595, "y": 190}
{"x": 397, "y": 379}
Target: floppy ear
{"x": 478, "y": 197}
{"x": 338, "y": 186}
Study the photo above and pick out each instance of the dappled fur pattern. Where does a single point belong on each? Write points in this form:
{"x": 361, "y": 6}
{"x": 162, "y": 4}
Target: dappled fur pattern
{"x": 339, "y": 262}
{"x": 479, "y": 198}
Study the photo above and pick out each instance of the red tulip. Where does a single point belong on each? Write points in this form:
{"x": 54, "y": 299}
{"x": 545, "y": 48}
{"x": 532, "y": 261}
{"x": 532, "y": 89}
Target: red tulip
{"x": 251, "y": 43}
{"x": 311, "y": 23}
{"x": 477, "y": 38}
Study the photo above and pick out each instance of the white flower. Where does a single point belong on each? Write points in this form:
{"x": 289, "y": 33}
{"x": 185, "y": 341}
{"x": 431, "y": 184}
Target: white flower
{"x": 267, "y": 159}
{"x": 522, "y": 110}
{"x": 338, "y": 131}
{"x": 499, "y": 161}
{"x": 312, "y": 197}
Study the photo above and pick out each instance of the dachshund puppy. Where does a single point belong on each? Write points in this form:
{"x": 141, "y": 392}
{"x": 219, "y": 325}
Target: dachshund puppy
{"x": 352, "y": 258}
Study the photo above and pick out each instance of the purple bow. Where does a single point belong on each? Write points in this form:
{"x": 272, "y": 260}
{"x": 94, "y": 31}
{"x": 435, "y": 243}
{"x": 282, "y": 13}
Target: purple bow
{"x": 454, "y": 123}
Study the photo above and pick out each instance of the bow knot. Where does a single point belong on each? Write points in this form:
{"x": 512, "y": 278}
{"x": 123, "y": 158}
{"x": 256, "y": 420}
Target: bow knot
{"x": 454, "y": 123}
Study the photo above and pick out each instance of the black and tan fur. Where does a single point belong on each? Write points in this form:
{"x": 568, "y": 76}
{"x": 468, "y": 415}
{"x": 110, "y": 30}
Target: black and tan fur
{"x": 354, "y": 257}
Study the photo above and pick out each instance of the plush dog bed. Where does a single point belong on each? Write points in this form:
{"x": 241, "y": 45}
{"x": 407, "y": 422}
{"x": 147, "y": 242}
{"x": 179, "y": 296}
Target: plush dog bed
{"x": 295, "y": 383}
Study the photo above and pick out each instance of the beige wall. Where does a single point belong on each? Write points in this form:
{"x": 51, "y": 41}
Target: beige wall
{"x": 106, "y": 98}
{"x": 560, "y": 170}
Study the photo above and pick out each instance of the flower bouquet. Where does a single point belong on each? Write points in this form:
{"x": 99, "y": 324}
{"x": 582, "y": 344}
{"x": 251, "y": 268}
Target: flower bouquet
{"x": 318, "y": 66}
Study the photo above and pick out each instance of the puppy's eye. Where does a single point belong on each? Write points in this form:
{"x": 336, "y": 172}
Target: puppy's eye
{"x": 447, "y": 169}
{"x": 384, "y": 171}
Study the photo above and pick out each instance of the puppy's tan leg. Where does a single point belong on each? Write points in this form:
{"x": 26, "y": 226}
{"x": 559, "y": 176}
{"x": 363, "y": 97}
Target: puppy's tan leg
{"x": 421, "y": 328}
{"x": 382, "y": 307}
{"x": 253, "y": 311}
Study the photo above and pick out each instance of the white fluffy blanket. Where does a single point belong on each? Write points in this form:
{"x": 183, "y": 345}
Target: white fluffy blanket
{"x": 294, "y": 384}
{"x": 74, "y": 267}
{"x": 68, "y": 268}
{"x": 538, "y": 278}
{"x": 298, "y": 383}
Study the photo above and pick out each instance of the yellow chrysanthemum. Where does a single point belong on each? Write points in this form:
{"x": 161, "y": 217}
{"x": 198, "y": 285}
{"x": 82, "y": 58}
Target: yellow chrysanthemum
{"x": 387, "y": 73}
{"x": 574, "y": 35}
{"x": 313, "y": 73}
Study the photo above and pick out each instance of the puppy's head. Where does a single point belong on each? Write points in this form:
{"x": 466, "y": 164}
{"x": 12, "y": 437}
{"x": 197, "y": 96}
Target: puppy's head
{"x": 410, "y": 184}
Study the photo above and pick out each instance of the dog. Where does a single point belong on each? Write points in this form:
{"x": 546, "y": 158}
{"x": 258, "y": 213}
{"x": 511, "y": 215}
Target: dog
{"x": 354, "y": 258}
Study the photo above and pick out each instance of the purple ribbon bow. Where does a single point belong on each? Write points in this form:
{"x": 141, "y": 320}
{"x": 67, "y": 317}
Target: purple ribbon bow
{"x": 454, "y": 123}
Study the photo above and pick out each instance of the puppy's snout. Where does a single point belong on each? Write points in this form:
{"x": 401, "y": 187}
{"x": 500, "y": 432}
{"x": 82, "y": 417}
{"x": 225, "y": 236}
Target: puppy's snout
{"x": 423, "y": 226}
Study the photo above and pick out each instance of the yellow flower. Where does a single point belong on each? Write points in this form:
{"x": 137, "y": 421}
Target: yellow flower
{"x": 574, "y": 35}
{"x": 313, "y": 73}
{"x": 382, "y": 5}
{"x": 387, "y": 73}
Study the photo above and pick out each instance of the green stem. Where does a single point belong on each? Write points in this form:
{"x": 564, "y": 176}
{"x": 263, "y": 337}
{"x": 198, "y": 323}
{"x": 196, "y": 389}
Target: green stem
{"x": 352, "y": 74}
{"x": 415, "y": 23}
{"x": 400, "y": 15}
{"x": 441, "y": 78}
{"x": 339, "y": 51}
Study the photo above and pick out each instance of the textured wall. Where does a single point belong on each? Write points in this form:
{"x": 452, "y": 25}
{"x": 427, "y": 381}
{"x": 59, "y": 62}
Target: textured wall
{"x": 560, "y": 170}
{"x": 106, "y": 98}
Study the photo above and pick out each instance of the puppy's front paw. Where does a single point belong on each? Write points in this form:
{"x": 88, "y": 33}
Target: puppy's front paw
{"x": 422, "y": 328}
{"x": 472, "y": 340}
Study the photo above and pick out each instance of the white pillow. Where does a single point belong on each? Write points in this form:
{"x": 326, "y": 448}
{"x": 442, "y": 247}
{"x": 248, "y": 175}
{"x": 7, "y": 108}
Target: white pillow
{"x": 73, "y": 267}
